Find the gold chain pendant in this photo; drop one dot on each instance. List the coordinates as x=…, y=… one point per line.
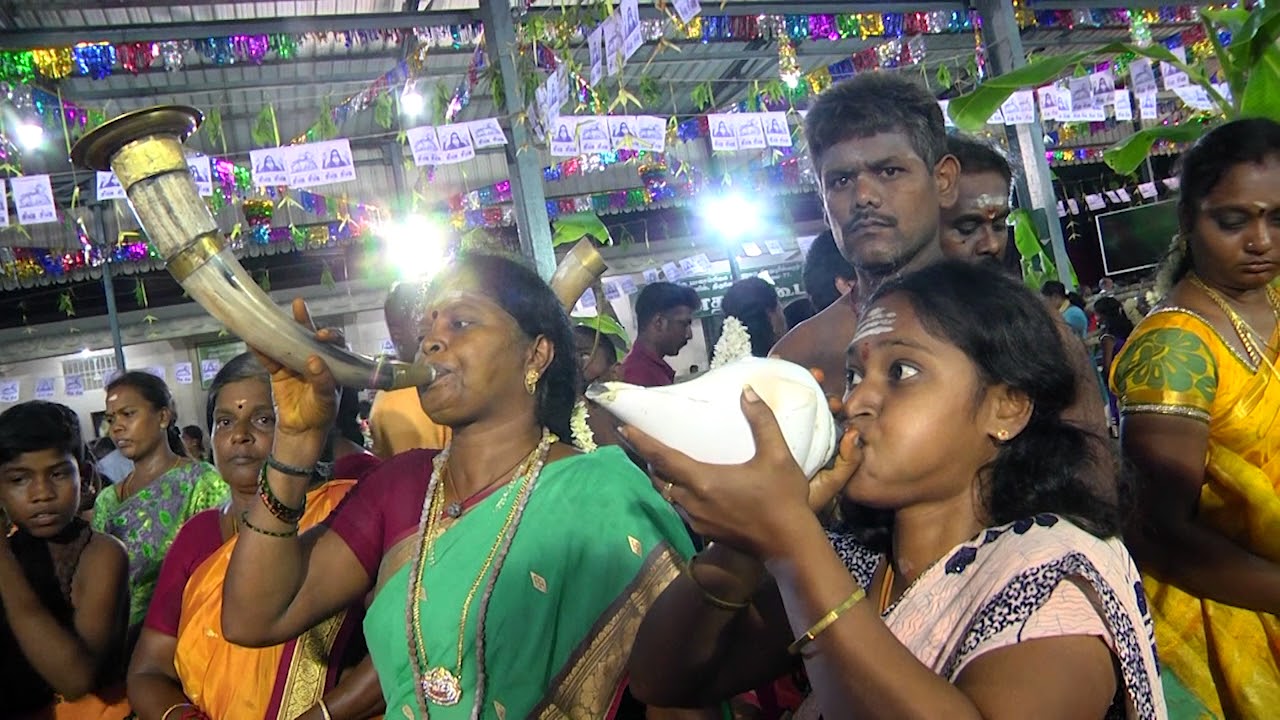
x=442, y=687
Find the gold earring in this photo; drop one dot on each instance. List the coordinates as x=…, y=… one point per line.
x=531, y=381
x=1002, y=435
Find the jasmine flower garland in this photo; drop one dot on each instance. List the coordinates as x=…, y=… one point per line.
x=583, y=438
x=734, y=343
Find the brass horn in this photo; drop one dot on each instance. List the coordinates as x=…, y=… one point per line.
x=144, y=148
x=576, y=272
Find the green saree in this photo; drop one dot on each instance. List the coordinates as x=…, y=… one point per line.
x=594, y=549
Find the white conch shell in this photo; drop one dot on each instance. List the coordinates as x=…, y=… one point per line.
x=702, y=417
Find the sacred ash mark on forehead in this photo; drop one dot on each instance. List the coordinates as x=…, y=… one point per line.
x=991, y=204
x=877, y=321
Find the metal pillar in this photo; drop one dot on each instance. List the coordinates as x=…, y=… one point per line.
x=1035, y=186
x=108, y=286
x=523, y=160
x=393, y=153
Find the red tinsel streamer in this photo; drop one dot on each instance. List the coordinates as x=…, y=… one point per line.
x=744, y=26
x=916, y=23
x=135, y=57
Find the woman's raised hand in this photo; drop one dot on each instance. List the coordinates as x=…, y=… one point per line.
x=305, y=402
x=749, y=506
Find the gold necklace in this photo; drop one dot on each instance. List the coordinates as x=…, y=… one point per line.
x=439, y=685
x=1248, y=336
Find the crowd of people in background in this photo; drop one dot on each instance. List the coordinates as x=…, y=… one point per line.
x=969, y=551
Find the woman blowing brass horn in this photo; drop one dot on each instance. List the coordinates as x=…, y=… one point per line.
x=487, y=601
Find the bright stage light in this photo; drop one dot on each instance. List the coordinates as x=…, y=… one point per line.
x=415, y=245
x=411, y=101
x=732, y=216
x=30, y=135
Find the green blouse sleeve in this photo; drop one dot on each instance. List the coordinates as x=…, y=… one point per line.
x=1166, y=371
x=209, y=490
x=102, y=507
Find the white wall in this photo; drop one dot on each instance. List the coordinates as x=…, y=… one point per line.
x=365, y=331
x=188, y=399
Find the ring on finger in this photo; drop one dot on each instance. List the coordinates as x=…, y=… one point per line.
x=666, y=491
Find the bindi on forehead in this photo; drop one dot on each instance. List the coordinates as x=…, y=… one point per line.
x=877, y=321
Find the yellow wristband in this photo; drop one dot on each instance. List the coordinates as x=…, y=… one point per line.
x=826, y=621
x=324, y=709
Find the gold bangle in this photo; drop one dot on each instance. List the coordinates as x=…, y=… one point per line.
x=173, y=707
x=826, y=621
x=324, y=709
x=708, y=596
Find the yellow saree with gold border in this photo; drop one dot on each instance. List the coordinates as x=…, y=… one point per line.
x=1176, y=363
x=231, y=682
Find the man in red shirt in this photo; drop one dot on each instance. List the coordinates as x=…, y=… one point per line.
x=664, y=318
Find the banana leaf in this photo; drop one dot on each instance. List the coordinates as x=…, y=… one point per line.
x=572, y=228
x=1261, y=96
x=1252, y=32
x=1025, y=238
x=384, y=111
x=212, y=128
x=325, y=127
x=1037, y=265
x=264, y=132
x=1128, y=155
x=972, y=110
x=605, y=325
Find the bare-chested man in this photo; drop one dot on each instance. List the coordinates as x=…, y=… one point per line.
x=976, y=228
x=879, y=147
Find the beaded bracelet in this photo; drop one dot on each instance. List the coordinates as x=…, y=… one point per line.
x=708, y=595
x=244, y=520
x=282, y=512
x=826, y=621
x=294, y=470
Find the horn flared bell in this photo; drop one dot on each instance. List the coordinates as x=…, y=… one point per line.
x=144, y=148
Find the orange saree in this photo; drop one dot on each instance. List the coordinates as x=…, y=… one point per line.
x=229, y=681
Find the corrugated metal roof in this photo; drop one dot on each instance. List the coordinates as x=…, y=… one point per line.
x=327, y=66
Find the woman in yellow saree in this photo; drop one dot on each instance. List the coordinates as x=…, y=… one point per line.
x=183, y=667
x=1200, y=400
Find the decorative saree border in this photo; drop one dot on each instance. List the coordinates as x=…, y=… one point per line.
x=308, y=667
x=395, y=558
x=1187, y=411
x=1178, y=309
x=588, y=684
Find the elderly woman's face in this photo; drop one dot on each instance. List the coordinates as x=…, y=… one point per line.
x=478, y=349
